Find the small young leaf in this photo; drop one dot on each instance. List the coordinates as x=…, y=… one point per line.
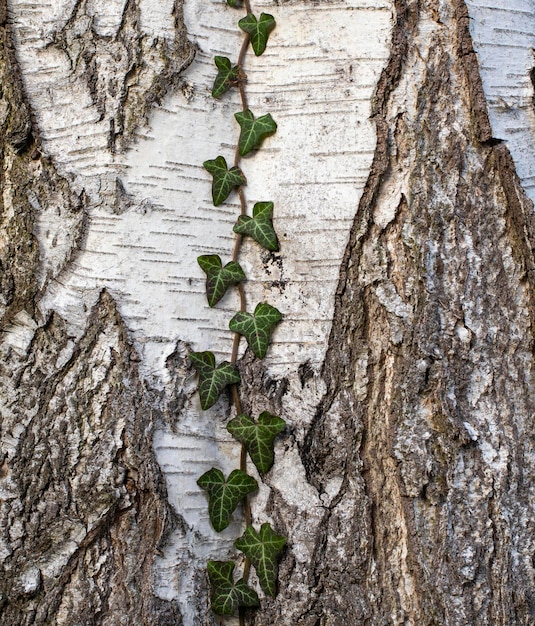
x=258, y=30
x=227, y=76
x=253, y=131
x=260, y=226
x=262, y=549
x=224, y=495
x=224, y=179
x=219, y=278
x=227, y=596
x=257, y=438
x=256, y=328
x=212, y=379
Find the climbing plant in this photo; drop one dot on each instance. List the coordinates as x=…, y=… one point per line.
x=261, y=548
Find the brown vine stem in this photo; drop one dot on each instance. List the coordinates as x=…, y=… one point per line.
x=241, y=61
x=241, y=292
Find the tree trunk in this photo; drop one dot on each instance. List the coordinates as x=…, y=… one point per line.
x=402, y=175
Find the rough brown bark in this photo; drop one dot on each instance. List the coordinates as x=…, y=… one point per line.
x=83, y=507
x=429, y=409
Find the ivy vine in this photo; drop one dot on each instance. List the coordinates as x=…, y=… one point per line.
x=262, y=548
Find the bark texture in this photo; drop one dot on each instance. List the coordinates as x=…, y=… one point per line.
x=126, y=73
x=31, y=191
x=83, y=506
x=428, y=415
x=419, y=452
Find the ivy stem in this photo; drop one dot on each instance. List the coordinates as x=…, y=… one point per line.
x=237, y=336
x=241, y=292
x=237, y=246
x=241, y=61
x=243, y=205
x=236, y=254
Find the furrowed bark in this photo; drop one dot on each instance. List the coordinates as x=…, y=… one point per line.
x=428, y=412
x=83, y=509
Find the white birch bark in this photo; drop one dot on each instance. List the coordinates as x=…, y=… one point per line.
x=404, y=410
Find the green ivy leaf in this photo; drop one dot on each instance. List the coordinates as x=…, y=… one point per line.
x=253, y=131
x=212, y=379
x=227, y=596
x=224, y=179
x=227, y=76
x=262, y=549
x=260, y=226
x=219, y=278
x=235, y=4
x=256, y=328
x=258, y=438
x=224, y=495
x=258, y=30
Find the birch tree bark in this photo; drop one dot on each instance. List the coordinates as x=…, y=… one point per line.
x=402, y=174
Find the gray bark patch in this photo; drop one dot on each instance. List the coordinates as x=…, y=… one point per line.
x=84, y=506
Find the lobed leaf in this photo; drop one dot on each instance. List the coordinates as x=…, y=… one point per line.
x=257, y=328
x=262, y=549
x=235, y=4
x=260, y=226
x=258, y=30
x=219, y=278
x=212, y=379
x=227, y=76
x=258, y=438
x=253, y=131
x=227, y=596
x=225, y=495
x=224, y=179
